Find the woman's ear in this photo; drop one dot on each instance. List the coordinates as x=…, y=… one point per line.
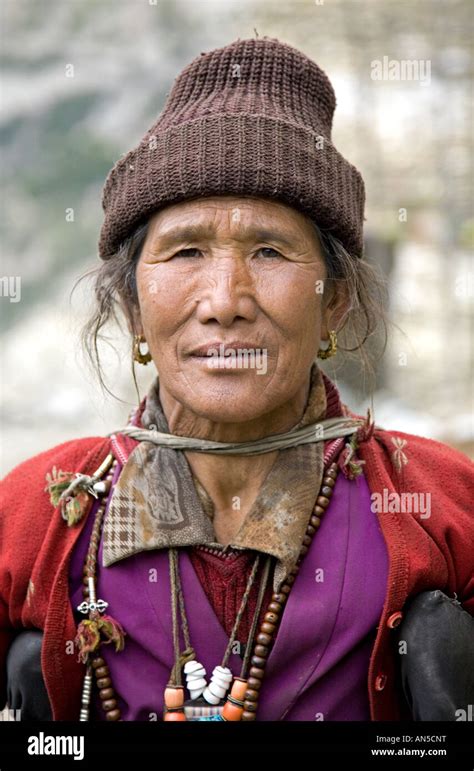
x=336, y=306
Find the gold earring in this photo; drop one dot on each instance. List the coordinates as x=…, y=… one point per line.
x=331, y=350
x=141, y=358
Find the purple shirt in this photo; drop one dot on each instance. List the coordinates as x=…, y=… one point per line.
x=318, y=666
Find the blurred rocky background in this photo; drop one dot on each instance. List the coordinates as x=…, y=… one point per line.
x=81, y=81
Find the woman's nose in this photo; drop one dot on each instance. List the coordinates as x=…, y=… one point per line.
x=226, y=294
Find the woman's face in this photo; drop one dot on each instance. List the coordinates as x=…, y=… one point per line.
x=239, y=271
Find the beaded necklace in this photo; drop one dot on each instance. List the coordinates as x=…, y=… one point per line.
x=206, y=700
x=242, y=701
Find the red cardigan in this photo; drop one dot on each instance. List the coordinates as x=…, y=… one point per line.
x=424, y=553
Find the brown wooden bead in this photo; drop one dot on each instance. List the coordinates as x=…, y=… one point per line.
x=102, y=672
x=329, y=482
x=304, y=550
x=250, y=706
x=257, y=672
x=319, y=511
x=285, y=589
x=307, y=540
x=261, y=650
x=99, y=662
x=290, y=580
x=106, y=693
x=280, y=597
x=263, y=638
x=109, y=704
x=311, y=530
x=322, y=501
x=113, y=715
x=254, y=683
x=331, y=472
x=246, y=715
x=275, y=607
x=268, y=628
x=104, y=682
x=315, y=521
x=326, y=490
x=272, y=618
x=251, y=695
x=258, y=661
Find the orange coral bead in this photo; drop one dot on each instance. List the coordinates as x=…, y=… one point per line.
x=232, y=711
x=174, y=696
x=174, y=716
x=239, y=686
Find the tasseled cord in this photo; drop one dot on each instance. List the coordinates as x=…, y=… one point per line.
x=71, y=493
x=350, y=465
x=95, y=631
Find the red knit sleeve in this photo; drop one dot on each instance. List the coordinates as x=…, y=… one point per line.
x=421, y=465
x=26, y=515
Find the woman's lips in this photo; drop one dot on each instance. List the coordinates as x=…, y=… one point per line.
x=222, y=349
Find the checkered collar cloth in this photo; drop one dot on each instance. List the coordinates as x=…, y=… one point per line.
x=158, y=503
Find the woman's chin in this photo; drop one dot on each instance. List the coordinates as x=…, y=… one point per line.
x=226, y=400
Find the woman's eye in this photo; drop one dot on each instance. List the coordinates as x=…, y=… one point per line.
x=268, y=252
x=191, y=252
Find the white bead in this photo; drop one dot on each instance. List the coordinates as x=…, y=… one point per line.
x=195, y=678
x=99, y=487
x=197, y=688
x=191, y=667
x=219, y=685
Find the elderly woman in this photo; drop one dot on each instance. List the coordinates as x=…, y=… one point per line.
x=242, y=550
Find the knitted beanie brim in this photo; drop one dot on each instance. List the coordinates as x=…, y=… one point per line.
x=151, y=175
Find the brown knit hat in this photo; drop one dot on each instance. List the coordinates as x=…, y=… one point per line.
x=252, y=118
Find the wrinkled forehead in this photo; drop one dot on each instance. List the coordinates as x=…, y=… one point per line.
x=233, y=216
